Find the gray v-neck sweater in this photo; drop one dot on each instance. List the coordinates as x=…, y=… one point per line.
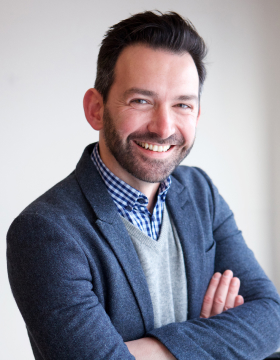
x=163, y=265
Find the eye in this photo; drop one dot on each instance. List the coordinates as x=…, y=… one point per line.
x=183, y=106
x=139, y=101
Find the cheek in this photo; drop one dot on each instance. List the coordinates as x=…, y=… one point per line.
x=188, y=132
x=126, y=128
x=132, y=122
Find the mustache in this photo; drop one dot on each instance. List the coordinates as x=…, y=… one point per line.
x=174, y=139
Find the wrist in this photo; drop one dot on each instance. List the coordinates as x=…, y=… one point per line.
x=149, y=348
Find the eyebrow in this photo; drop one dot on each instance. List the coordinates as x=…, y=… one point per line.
x=144, y=92
x=187, y=97
x=140, y=92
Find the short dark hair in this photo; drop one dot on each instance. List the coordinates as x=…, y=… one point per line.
x=167, y=31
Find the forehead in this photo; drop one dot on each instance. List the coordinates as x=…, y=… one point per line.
x=144, y=67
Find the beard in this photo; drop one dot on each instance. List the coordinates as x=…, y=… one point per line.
x=140, y=166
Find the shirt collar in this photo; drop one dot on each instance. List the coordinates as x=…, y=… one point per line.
x=120, y=191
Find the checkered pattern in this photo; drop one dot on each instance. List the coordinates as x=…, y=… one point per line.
x=131, y=203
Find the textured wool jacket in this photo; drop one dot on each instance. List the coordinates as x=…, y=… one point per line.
x=82, y=292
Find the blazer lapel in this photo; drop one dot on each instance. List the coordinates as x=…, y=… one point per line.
x=117, y=236
x=113, y=229
x=188, y=226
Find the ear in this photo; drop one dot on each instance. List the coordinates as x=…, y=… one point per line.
x=93, y=107
x=198, y=115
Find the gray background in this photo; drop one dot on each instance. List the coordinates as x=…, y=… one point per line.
x=48, y=56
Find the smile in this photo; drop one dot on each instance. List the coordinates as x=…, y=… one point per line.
x=157, y=148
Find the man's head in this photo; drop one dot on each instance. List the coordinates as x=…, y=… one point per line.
x=147, y=105
x=159, y=31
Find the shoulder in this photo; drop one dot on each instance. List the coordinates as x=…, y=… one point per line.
x=203, y=194
x=189, y=173
x=50, y=212
x=61, y=208
x=195, y=179
x=62, y=198
x=66, y=198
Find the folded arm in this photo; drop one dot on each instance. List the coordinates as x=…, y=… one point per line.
x=221, y=295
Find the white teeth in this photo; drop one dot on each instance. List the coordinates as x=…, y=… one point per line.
x=156, y=148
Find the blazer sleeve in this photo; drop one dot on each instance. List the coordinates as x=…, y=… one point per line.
x=51, y=282
x=250, y=331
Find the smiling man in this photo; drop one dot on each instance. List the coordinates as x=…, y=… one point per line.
x=132, y=256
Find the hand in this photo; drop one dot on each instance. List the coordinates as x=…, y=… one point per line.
x=221, y=295
x=149, y=348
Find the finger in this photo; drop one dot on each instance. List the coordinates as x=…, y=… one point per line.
x=209, y=296
x=221, y=293
x=232, y=293
x=239, y=300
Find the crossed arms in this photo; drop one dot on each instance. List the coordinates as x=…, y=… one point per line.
x=221, y=295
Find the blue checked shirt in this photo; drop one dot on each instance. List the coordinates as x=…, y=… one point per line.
x=131, y=203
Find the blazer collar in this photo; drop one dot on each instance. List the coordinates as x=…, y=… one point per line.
x=94, y=188
x=188, y=225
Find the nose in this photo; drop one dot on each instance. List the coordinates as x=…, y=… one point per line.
x=162, y=122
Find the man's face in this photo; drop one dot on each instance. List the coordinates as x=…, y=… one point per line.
x=150, y=117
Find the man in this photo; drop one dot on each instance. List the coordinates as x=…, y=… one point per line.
x=131, y=255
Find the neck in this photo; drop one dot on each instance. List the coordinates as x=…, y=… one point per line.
x=152, y=198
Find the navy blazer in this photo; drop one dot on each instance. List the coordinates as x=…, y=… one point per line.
x=82, y=292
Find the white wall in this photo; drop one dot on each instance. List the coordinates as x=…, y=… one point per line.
x=273, y=135
x=48, y=57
